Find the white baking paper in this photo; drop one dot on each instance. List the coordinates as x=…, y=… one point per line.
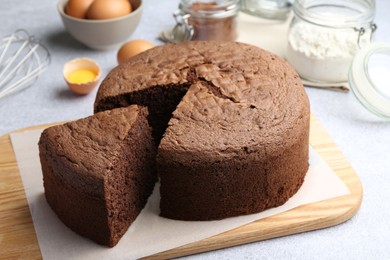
x=150, y=233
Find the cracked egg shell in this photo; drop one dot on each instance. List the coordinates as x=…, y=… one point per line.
x=81, y=75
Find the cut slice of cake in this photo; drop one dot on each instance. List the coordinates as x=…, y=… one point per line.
x=99, y=171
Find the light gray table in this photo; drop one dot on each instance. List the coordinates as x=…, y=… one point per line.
x=363, y=138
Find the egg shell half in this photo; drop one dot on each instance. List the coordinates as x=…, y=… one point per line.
x=79, y=64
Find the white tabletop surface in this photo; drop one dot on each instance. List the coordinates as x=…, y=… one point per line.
x=363, y=138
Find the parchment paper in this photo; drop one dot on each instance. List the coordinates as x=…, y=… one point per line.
x=149, y=234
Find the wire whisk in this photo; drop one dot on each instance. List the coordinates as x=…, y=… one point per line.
x=22, y=60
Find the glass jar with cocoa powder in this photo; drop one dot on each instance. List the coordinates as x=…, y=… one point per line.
x=207, y=20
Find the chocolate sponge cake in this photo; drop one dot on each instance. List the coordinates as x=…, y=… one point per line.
x=231, y=121
x=99, y=171
x=220, y=158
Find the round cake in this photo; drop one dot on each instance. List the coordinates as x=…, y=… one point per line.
x=231, y=121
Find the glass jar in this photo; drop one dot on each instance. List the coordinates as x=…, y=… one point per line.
x=270, y=9
x=206, y=20
x=369, y=78
x=324, y=36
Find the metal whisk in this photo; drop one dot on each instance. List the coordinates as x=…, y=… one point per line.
x=22, y=60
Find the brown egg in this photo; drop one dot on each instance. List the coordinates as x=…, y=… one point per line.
x=132, y=48
x=78, y=8
x=107, y=9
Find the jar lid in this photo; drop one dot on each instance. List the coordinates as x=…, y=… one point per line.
x=369, y=78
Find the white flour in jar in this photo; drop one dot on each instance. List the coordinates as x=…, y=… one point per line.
x=322, y=54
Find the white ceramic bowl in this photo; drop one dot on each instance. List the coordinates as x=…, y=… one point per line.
x=102, y=34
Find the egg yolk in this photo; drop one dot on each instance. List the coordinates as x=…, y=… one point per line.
x=81, y=76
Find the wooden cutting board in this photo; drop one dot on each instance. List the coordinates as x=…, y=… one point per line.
x=18, y=239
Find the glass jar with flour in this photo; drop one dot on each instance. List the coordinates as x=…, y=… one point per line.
x=324, y=36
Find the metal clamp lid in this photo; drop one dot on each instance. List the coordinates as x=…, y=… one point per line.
x=183, y=31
